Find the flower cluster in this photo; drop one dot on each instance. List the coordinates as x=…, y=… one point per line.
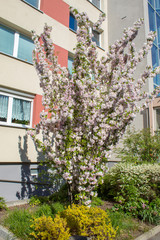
x=87, y=112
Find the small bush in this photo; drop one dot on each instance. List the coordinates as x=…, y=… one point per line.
x=135, y=188
x=140, y=147
x=2, y=203
x=96, y=201
x=45, y=228
x=61, y=195
x=18, y=222
x=92, y=222
x=34, y=201
x=57, y=207
x=44, y=209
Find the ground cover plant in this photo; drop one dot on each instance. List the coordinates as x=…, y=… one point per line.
x=22, y=221
x=87, y=112
x=127, y=227
x=135, y=190
x=53, y=221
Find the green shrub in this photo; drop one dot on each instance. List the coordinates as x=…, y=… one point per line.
x=18, y=222
x=140, y=147
x=57, y=207
x=61, y=195
x=96, y=201
x=44, y=209
x=91, y=222
x=34, y=201
x=135, y=188
x=45, y=228
x=2, y=203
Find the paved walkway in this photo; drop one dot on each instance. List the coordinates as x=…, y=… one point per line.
x=156, y=237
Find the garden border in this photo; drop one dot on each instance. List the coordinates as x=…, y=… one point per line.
x=7, y=235
x=151, y=233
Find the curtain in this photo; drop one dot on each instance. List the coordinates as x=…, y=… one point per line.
x=3, y=107
x=21, y=110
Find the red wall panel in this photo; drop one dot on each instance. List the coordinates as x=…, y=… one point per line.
x=37, y=108
x=37, y=104
x=62, y=55
x=56, y=9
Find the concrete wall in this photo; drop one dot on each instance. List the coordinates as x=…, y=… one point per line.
x=122, y=14
x=17, y=183
x=18, y=152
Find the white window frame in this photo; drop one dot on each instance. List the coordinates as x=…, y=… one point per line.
x=16, y=44
x=39, y=4
x=10, y=96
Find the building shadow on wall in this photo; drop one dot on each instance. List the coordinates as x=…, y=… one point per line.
x=35, y=178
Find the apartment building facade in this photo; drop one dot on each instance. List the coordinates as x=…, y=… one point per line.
x=122, y=14
x=20, y=94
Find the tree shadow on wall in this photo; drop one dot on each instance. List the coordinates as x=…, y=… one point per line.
x=32, y=184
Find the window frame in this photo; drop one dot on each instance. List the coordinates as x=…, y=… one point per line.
x=98, y=7
x=75, y=23
x=11, y=96
x=156, y=43
x=39, y=4
x=155, y=118
x=17, y=36
x=71, y=59
x=99, y=34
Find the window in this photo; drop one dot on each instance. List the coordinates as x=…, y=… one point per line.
x=34, y=3
x=154, y=25
x=72, y=23
x=16, y=44
x=97, y=3
x=96, y=37
x=157, y=119
x=15, y=110
x=34, y=173
x=70, y=64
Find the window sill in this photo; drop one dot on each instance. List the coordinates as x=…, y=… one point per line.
x=72, y=30
x=100, y=48
x=16, y=58
x=32, y=6
x=95, y=6
x=21, y=126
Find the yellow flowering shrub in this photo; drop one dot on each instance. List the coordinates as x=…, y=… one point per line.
x=92, y=222
x=45, y=228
